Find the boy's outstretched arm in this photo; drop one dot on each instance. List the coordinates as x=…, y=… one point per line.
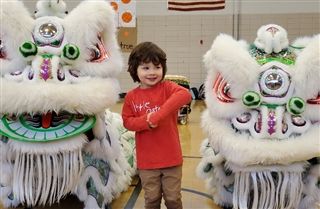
x=179, y=97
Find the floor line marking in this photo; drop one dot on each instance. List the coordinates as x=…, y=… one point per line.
x=197, y=157
x=134, y=196
x=197, y=192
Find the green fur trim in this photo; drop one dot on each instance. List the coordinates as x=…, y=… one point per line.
x=286, y=56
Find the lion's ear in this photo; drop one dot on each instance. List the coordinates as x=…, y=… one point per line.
x=231, y=70
x=51, y=8
x=231, y=58
x=229, y=61
x=307, y=75
x=91, y=26
x=16, y=25
x=308, y=66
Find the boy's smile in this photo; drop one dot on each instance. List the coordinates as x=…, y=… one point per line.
x=149, y=74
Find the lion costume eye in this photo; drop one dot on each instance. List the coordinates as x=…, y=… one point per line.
x=99, y=52
x=2, y=53
x=221, y=89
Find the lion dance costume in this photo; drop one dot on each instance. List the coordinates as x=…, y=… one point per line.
x=58, y=75
x=262, y=121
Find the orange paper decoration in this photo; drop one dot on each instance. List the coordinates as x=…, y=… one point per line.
x=125, y=12
x=126, y=1
x=114, y=5
x=126, y=17
x=126, y=33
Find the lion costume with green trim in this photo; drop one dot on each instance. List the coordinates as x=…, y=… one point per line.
x=58, y=76
x=262, y=121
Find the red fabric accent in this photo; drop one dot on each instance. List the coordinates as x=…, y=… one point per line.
x=158, y=147
x=46, y=120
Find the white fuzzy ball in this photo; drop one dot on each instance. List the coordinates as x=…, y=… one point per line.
x=51, y=8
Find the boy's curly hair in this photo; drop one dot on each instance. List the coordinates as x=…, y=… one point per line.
x=146, y=52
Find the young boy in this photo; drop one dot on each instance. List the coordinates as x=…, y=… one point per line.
x=151, y=110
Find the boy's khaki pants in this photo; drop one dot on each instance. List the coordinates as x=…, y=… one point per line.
x=158, y=182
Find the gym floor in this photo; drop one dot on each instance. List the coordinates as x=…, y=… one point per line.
x=194, y=194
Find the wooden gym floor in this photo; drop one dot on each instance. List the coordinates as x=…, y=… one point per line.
x=194, y=194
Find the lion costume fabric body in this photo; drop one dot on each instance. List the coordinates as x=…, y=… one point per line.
x=58, y=75
x=262, y=121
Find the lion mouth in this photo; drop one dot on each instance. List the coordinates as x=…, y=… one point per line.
x=48, y=120
x=45, y=127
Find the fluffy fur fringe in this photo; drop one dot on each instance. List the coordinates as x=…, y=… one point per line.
x=89, y=97
x=311, y=190
x=113, y=153
x=41, y=175
x=260, y=189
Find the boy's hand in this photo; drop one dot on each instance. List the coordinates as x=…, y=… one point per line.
x=148, y=121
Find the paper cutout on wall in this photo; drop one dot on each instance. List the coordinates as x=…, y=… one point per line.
x=195, y=5
x=127, y=38
x=125, y=12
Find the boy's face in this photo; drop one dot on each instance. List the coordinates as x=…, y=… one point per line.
x=149, y=74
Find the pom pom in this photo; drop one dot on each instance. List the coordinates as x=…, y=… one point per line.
x=51, y=8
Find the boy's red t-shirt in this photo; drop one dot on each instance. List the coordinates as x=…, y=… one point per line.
x=158, y=147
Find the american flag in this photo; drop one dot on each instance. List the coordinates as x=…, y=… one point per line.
x=195, y=5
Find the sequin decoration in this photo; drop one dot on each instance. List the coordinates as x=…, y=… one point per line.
x=30, y=74
x=244, y=117
x=284, y=126
x=286, y=56
x=271, y=122
x=45, y=72
x=297, y=120
x=258, y=124
x=60, y=74
x=16, y=73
